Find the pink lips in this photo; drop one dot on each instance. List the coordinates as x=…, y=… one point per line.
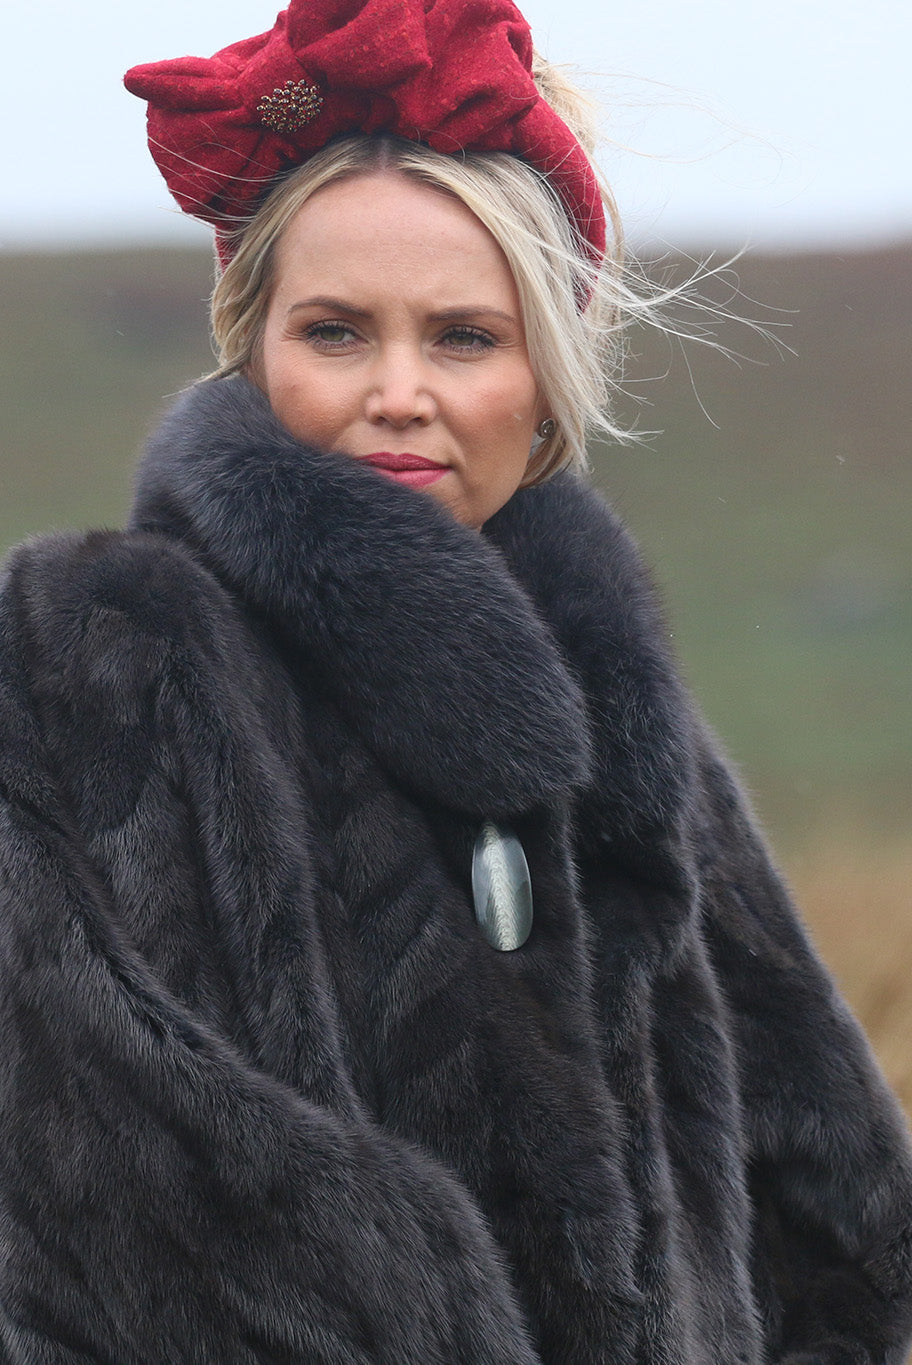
x=413, y=470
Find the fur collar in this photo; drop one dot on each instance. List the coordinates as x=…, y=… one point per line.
x=494, y=673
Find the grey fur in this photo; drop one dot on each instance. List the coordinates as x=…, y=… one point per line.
x=267, y=1096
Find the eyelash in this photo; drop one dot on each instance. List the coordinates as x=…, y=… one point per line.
x=316, y=332
x=483, y=340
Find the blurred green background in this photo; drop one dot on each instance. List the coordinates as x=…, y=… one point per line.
x=775, y=507
x=773, y=504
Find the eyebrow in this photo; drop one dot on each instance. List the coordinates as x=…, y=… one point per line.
x=478, y=310
x=324, y=301
x=472, y=310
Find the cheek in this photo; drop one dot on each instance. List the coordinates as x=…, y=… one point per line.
x=308, y=402
x=508, y=396
x=509, y=416
x=503, y=426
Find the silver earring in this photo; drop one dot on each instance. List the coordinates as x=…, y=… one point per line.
x=547, y=428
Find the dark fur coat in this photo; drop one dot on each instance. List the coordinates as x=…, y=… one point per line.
x=267, y=1094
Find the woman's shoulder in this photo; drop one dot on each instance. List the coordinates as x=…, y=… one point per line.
x=70, y=590
x=96, y=619
x=118, y=650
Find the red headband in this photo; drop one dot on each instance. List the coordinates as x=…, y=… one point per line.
x=455, y=74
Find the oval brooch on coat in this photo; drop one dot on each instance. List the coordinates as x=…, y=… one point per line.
x=501, y=888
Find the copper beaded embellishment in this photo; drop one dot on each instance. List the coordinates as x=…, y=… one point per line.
x=290, y=106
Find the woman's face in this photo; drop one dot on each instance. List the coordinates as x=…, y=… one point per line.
x=394, y=335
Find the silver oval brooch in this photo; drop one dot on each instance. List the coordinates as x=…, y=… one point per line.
x=501, y=888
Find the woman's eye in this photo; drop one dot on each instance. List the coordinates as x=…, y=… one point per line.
x=468, y=339
x=330, y=335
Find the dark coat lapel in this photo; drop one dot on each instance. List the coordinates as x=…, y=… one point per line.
x=473, y=672
x=478, y=711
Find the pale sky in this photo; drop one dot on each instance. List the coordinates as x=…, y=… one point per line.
x=753, y=123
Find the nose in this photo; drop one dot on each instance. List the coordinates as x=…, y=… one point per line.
x=400, y=390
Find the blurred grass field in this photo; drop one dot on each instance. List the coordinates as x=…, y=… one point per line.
x=857, y=900
x=773, y=504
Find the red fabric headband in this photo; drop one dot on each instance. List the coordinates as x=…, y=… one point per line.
x=455, y=74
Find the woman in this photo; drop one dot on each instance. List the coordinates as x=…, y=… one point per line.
x=391, y=971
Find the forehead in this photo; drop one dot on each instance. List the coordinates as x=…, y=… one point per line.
x=386, y=231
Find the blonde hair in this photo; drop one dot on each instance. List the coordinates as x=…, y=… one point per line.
x=574, y=345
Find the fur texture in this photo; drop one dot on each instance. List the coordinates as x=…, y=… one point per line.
x=267, y=1095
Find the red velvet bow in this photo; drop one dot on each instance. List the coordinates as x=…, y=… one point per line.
x=455, y=74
